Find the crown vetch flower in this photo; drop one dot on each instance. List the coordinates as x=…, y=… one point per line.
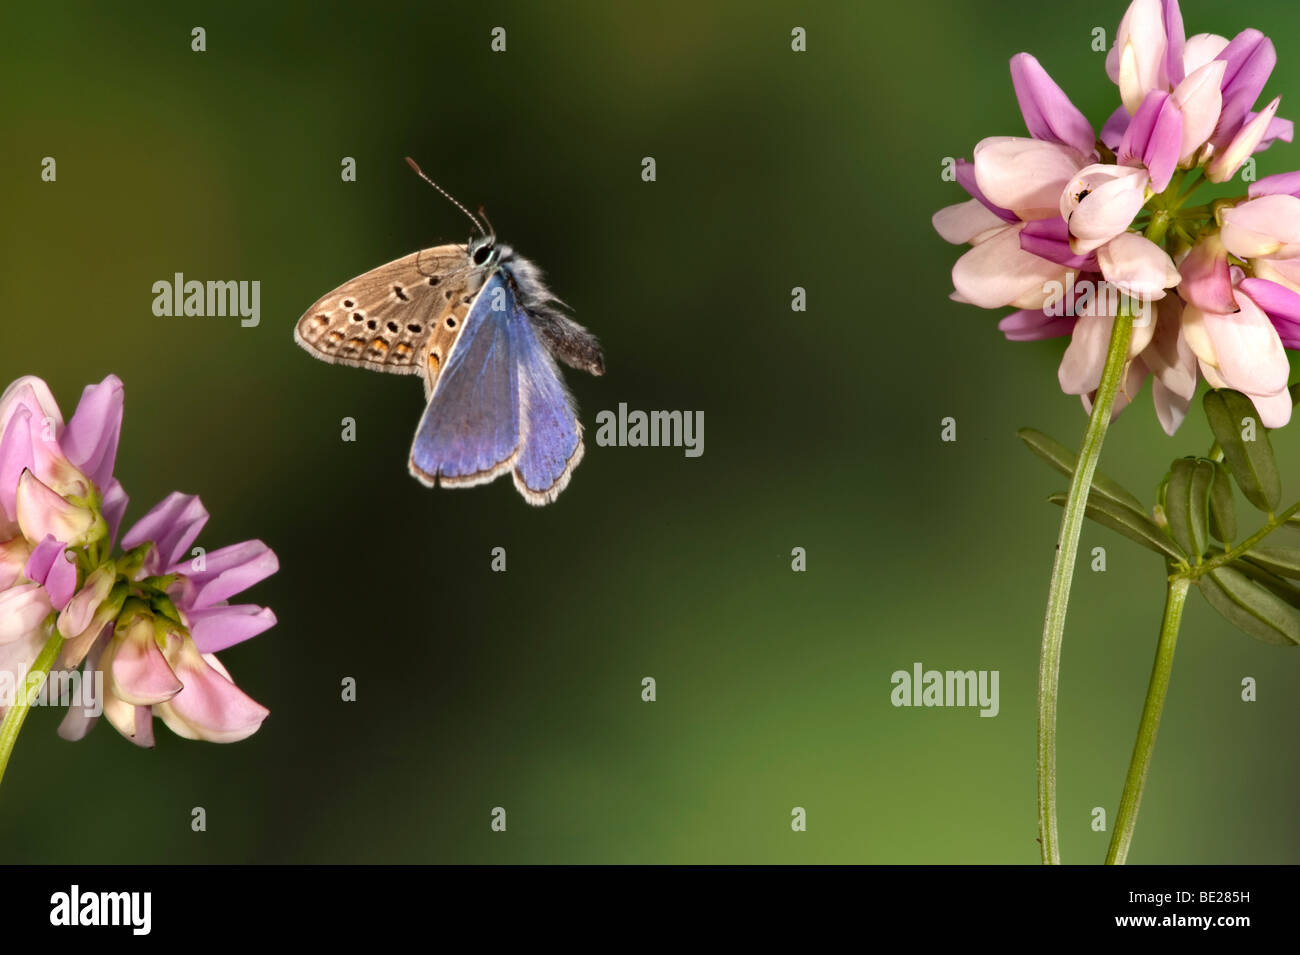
x=1216, y=287
x=57, y=499
x=158, y=657
x=149, y=620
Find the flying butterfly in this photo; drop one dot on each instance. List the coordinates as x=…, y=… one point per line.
x=479, y=324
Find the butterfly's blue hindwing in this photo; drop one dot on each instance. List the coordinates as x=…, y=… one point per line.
x=499, y=403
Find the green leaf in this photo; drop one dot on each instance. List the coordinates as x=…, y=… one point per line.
x=1282, y=588
x=1279, y=551
x=1223, y=510
x=1065, y=461
x=1128, y=522
x=1251, y=607
x=1251, y=462
x=1187, y=503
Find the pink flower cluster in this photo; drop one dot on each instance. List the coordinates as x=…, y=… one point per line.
x=1215, y=287
x=148, y=620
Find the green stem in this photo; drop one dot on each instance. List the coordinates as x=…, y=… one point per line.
x=1188, y=186
x=1058, y=595
x=13, y=721
x=1158, y=226
x=1272, y=524
x=1193, y=213
x=1145, y=744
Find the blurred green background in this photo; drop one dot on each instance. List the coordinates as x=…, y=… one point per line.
x=522, y=689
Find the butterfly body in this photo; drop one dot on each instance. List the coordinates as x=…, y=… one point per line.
x=478, y=323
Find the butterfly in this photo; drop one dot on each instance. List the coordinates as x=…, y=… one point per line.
x=479, y=324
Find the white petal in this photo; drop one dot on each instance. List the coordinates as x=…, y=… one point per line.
x=997, y=272
x=965, y=222
x=1025, y=175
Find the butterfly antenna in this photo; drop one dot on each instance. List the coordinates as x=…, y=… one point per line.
x=450, y=198
x=491, y=228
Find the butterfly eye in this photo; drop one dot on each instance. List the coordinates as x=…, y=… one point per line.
x=481, y=254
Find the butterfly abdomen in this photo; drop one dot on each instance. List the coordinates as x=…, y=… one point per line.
x=563, y=337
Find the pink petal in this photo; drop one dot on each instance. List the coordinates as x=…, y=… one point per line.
x=1225, y=165
x=1134, y=375
x=1137, y=266
x=35, y=395
x=22, y=609
x=217, y=628
x=90, y=440
x=113, y=507
x=1100, y=203
x=42, y=557
x=138, y=671
x=1176, y=37
x=1028, y=325
x=13, y=560
x=1170, y=358
x=1206, y=282
x=998, y=272
x=1274, y=410
x=1279, y=128
x=1249, y=354
x=965, y=222
x=15, y=458
x=49, y=567
x=210, y=707
x=1142, y=44
x=77, y=722
x=1276, y=300
x=173, y=525
x=1112, y=133
x=45, y=425
x=1250, y=59
x=43, y=513
x=17, y=657
x=81, y=609
x=1025, y=175
x=1284, y=183
x=1201, y=49
x=1282, y=271
x=1200, y=100
x=1050, y=239
x=1049, y=114
x=143, y=727
x=122, y=715
x=1084, y=359
x=1280, y=304
x=1171, y=407
x=965, y=174
x=1266, y=227
x=1154, y=138
x=228, y=571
